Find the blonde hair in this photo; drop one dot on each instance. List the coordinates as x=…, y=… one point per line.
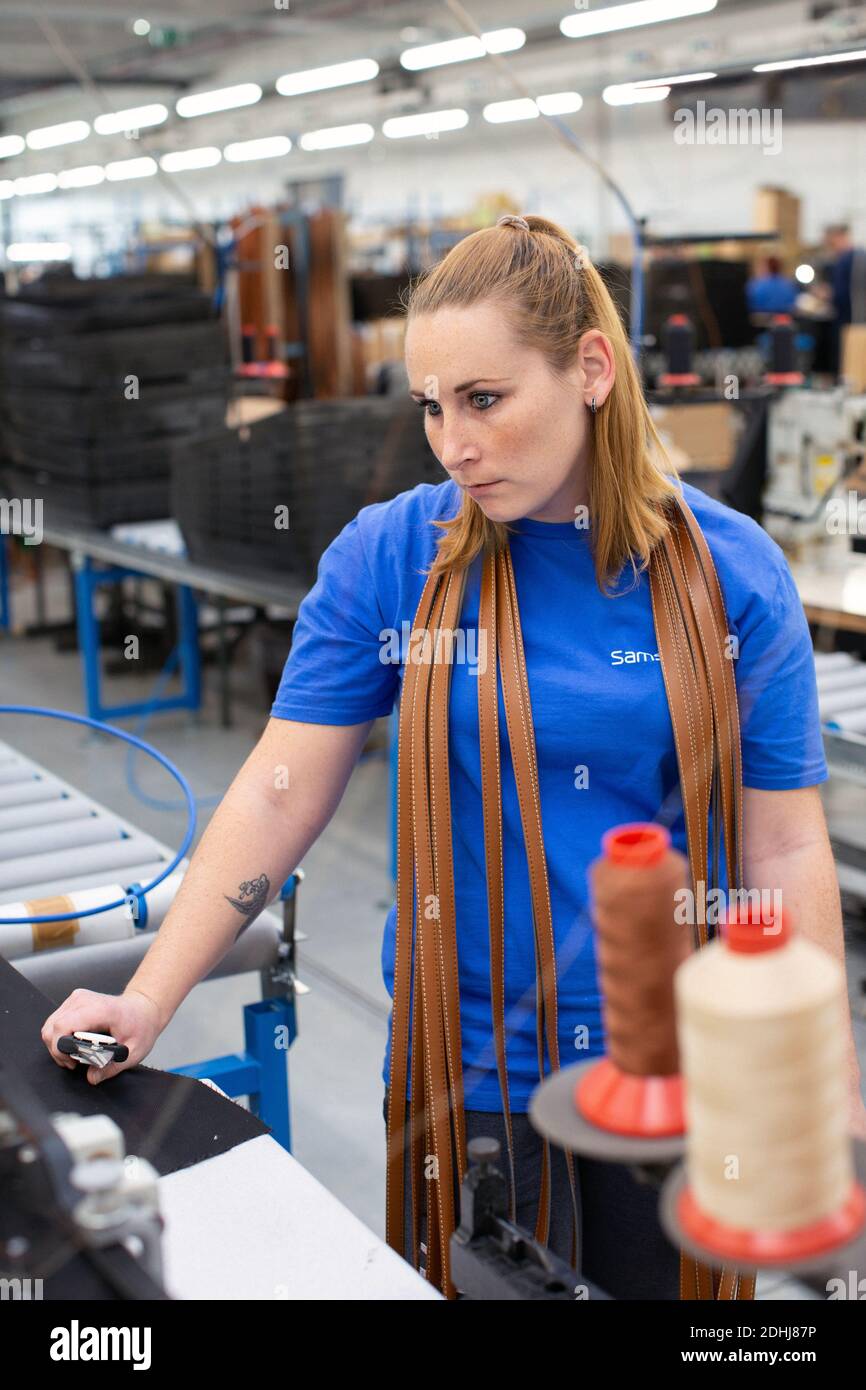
x=552, y=295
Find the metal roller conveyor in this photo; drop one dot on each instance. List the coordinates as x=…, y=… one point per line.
x=19, y=939
x=60, y=850
x=17, y=771
x=833, y=661
x=106, y=860
x=46, y=871
x=134, y=873
x=851, y=721
x=63, y=808
x=841, y=681
x=46, y=788
x=45, y=839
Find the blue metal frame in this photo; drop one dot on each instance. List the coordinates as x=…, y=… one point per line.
x=261, y=1072
x=88, y=578
x=5, y=615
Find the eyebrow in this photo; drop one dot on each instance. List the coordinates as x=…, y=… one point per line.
x=465, y=385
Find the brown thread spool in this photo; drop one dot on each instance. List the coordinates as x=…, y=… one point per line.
x=637, y=1089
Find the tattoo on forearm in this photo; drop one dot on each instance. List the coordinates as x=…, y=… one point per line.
x=254, y=895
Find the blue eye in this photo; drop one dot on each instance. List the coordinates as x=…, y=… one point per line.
x=425, y=406
x=488, y=395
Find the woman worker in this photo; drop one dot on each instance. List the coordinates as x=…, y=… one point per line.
x=518, y=360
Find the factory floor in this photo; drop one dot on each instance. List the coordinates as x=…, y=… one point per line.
x=335, y=1064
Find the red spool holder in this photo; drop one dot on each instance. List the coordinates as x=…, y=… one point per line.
x=774, y=1248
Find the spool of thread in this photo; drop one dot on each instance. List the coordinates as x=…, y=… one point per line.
x=248, y=343
x=783, y=352
x=679, y=344
x=768, y=1155
x=636, y=1089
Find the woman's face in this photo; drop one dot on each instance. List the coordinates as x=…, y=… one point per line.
x=503, y=426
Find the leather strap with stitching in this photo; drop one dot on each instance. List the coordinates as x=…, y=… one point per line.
x=691, y=628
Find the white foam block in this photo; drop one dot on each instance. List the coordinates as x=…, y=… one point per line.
x=254, y=1224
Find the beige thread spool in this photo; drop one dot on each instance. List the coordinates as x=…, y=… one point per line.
x=768, y=1154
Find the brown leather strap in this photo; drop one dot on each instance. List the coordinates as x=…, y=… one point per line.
x=691, y=628
x=521, y=737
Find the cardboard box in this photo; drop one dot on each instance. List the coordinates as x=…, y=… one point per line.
x=776, y=210
x=854, y=356
x=699, y=436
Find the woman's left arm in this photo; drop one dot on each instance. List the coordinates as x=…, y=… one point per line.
x=786, y=846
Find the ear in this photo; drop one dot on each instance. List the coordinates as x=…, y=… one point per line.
x=597, y=366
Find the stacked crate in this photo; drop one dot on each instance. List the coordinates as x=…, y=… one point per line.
x=312, y=466
x=102, y=385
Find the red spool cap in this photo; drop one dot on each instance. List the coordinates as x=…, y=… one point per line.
x=637, y=845
x=748, y=932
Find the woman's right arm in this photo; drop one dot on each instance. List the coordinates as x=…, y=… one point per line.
x=275, y=809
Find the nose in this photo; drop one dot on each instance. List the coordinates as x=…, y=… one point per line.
x=457, y=447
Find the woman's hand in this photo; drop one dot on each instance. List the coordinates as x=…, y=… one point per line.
x=132, y=1018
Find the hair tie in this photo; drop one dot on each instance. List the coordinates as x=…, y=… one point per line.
x=580, y=256
x=511, y=219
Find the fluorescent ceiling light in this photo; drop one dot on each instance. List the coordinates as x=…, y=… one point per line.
x=334, y=136
x=203, y=158
x=525, y=108
x=130, y=168
x=39, y=251
x=521, y=109
x=291, y=84
x=672, y=81
x=35, y=183
x=853, y=57
x=11, y=144
x=434, y=55
x=225, y=99
x=627, y=94
x=50, y=135
x=134, y=118
x=7, y=189
x=580, y=26
x=805, y=274
x=559, y=103
x=83, y=177
x=426, y=123
x=269, y=147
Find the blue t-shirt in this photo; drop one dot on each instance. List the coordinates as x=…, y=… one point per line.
x=603, y=733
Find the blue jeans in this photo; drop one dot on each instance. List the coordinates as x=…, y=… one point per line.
x=623, y=1248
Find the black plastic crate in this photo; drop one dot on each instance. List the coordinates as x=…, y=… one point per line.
x=324, y=460
x=61, y=304
x=100, y=462
x=103, y=361
x=193, y=406
x=93, y=503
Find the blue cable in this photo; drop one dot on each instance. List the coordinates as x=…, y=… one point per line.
x=175, y=772
x=147, y=714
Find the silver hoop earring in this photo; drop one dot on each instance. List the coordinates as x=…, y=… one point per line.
x=592, y=406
